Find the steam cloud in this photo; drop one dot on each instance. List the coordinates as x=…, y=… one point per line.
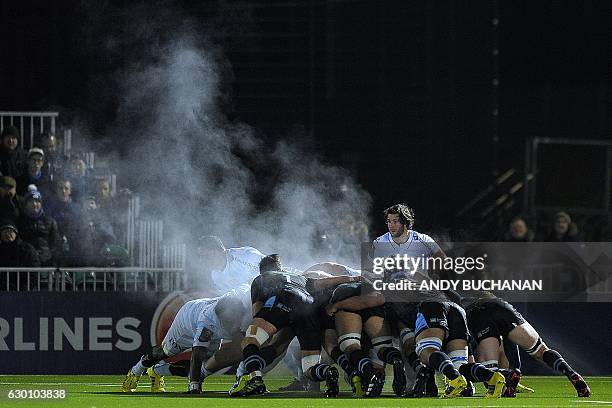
x=205, y=174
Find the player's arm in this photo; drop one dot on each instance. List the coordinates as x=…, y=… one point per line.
x=201, y=344
x=356, y=303
x=335, y=281
x=257, y=307
x=198, y=354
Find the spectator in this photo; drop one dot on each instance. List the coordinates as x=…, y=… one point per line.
x=12, y=157
x=15, y=252
x=81, y=179
x=64, y=211
x=55, y=161
x=563, y=229
x=34, y=174
x=518, y=231
x=39, y=229
x=9, y=203
x=94, y=232
x=110, y=207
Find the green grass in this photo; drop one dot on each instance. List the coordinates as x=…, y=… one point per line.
x=105, y=391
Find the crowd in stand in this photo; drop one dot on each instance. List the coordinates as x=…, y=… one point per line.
x=562, y=229
x=54, y=211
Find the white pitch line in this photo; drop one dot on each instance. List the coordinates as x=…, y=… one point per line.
x=594, y=402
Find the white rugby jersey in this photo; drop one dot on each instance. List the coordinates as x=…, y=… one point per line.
x=416, y=246
x=200, y=313
x=242, y=266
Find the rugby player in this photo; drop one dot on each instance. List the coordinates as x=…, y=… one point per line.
x=283, y=299
x=491, y=319
x=354, y=312
x=403, y=240
x=440, y=327
x=227, y=267
x=200, y=324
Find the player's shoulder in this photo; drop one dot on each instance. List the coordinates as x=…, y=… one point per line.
x=245, y=251
x=419, y=236
x=383, y=238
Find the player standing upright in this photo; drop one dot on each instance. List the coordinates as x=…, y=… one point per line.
x=402, y=239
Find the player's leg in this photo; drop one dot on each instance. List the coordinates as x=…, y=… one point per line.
x=526, y=337
x=379, y=331
x=431, y=327
x=155, y=355
x=317, y=371
x=260, y=330
x=349, y=327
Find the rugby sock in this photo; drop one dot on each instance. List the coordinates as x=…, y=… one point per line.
x=441, y=362
x=139, y=368
x=476, y=372
x=240, y=371
x=557, y=363
x=342, y=360
x=512, y=354
x=390, y=355
x=268, y=353
x=162, y=369
x=205, y=373
x=253, y=361
x=319, y=371
x=363, y=363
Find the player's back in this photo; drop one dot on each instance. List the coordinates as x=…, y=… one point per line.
x=276, y=283
x=189, y=314
x=242, y=265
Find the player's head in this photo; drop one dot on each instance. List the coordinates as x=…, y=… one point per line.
x=399, y=219
x=211, y=251
x=270, y=263
x=229, y=310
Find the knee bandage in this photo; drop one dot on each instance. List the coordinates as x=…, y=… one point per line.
x=349, y=339
x=310, y=361
x=428, y=342
x=458, y=357
x=258, y=334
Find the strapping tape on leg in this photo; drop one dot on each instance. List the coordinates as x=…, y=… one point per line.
x=258, y=334
x=536, y=346
x=381, y=342
x=310, y=361
x=406, y=335
x=348, y=339
x=428, y=342
x=458, y=357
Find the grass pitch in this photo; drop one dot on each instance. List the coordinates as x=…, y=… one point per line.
x=105, y=391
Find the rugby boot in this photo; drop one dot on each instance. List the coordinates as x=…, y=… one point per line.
x=495, y=386
x=332, y=388
x=580, y=385
x=157, y=381
x=455, y=387
x=131, y=382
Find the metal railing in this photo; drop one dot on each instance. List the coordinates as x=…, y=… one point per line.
x=89, y=279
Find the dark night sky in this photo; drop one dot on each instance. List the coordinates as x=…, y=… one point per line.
x=399, y=92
